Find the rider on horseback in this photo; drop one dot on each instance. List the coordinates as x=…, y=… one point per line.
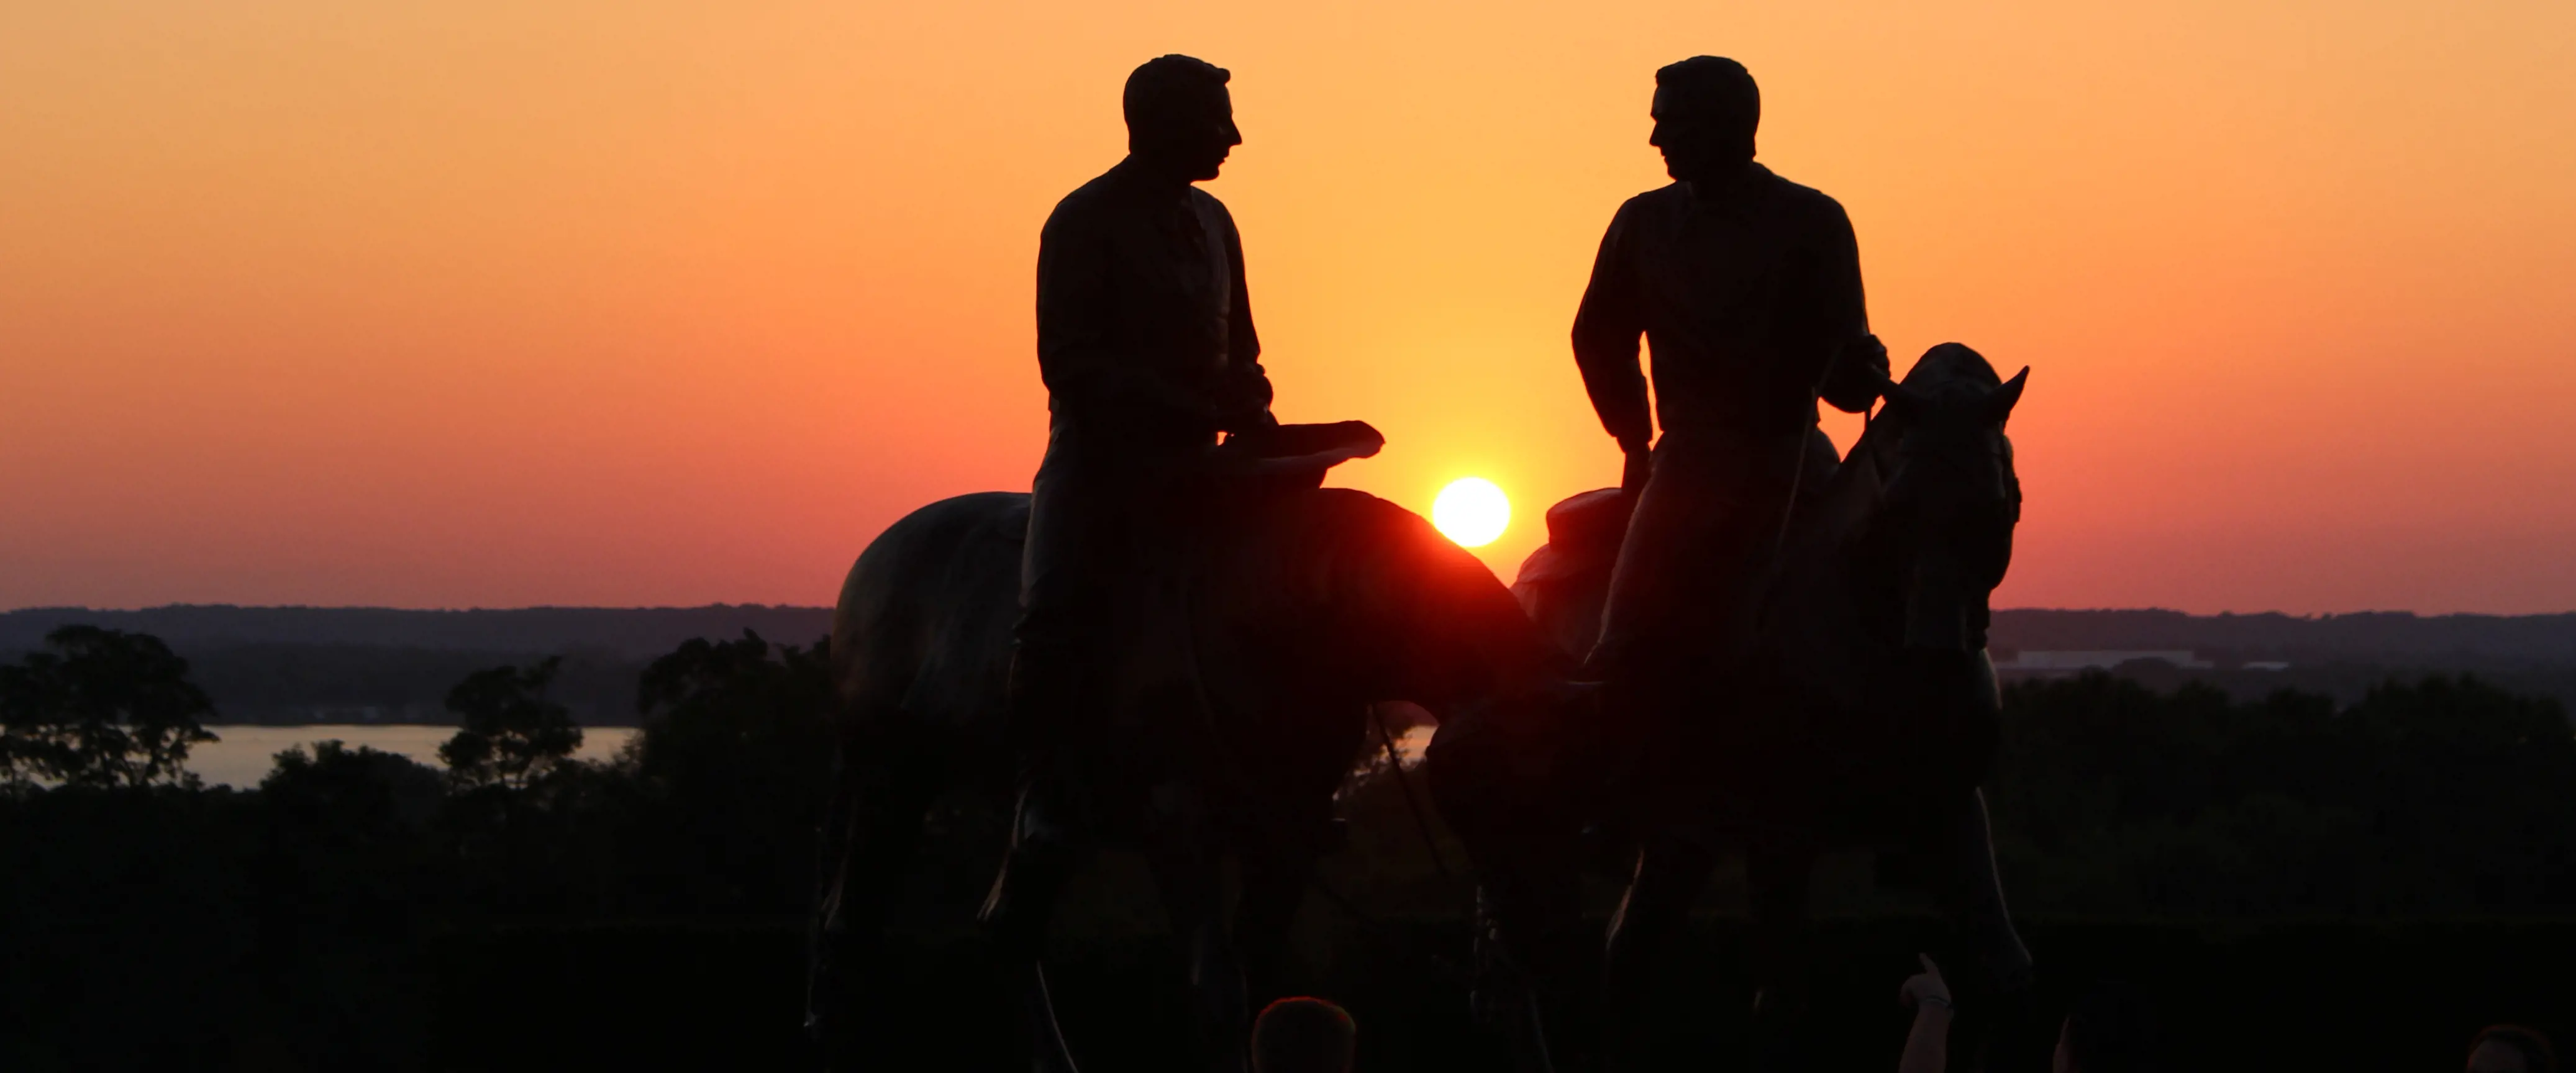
x=1748, y=288
x=1146, y=344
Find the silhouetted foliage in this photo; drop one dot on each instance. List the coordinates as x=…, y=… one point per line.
x=366, y=793
x=2446, y=795
x=360, y=910
x=343, y=877
x=100, y=707
x=512, y=735
x=734, y=767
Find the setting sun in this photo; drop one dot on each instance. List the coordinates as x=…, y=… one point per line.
x=1472, y=511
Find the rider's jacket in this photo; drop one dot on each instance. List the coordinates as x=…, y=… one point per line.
x=1144, y=325
x=1743, y=293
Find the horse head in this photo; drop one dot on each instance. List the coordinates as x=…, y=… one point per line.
x=1951, y=499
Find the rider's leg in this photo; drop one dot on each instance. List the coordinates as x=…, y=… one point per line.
x=1974, y=894
x=1642, y=617
x=1066, y=570
x=1081, y=511
x=1035, y=872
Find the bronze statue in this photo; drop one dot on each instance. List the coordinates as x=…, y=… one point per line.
x=1230, y=716
x=1748, y=288
x=1865, y=717
x=1185, y=661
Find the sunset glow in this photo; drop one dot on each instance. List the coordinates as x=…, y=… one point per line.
x=1472, y=511
x=499, y=304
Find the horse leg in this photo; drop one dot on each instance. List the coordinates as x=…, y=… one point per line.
x=1042, y=861
x=1193, y=898
x=1778, y=877
x=1668, y=879
x=1973, y=894
x=1273, y=888
x=871, y=831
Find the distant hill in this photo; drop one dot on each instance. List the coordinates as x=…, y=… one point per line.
x=630, y=632
x=297, y=665
x=373, y=664
x=645, y=632
x=2396, y=637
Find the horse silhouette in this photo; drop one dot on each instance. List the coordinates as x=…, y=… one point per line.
x=1241, y=683
x=1866, y=717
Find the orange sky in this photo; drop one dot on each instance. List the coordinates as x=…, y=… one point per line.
x=469, y=303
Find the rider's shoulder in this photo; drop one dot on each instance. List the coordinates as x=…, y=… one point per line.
x=1806, y=198
x=1090, y=202
x=1206, y=201
x=1670, y=197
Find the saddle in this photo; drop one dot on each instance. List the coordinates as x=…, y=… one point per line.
x=1168, y=667
x=1293, y=453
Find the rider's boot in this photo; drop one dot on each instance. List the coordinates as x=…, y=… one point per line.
x=1047, y=824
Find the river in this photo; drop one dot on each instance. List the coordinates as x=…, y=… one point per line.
x=243, y=755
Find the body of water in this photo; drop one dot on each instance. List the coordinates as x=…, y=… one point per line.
x=243, y=755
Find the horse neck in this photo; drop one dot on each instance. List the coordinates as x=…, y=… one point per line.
x=1456, y=634
x=1873, y=591
x=1408, y=615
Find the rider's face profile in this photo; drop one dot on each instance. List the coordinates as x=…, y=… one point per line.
x=1699, y=141
x=1193, y=139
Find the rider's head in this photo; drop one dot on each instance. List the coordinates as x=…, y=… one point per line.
x=1180, y=120
x=1303, y=1035
x=1706, y=108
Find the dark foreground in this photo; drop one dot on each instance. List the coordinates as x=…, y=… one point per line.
x=361, y=911
x=2232, y=996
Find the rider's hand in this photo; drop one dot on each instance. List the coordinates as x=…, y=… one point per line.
x=1640, y=463
x=1252, y=421
x=1867, y=357
x=1926, y=989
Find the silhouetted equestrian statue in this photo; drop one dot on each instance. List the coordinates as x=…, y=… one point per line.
x=1171, y=644
x=1794, y=652
x=1234, y=688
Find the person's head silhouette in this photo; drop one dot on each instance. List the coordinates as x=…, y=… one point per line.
x=1706, y=109
x=1303, y=1035
x=1180, y=120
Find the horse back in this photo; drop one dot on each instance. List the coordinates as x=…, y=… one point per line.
x=922, y=630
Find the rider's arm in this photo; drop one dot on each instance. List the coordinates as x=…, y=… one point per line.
x=1244, y=392
x=1077, y=355
x=1851, y=380
x=1606, y=328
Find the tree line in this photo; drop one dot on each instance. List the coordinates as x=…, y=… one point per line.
x=126, y=885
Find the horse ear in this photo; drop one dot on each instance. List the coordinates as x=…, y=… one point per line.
x=2000, y=401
